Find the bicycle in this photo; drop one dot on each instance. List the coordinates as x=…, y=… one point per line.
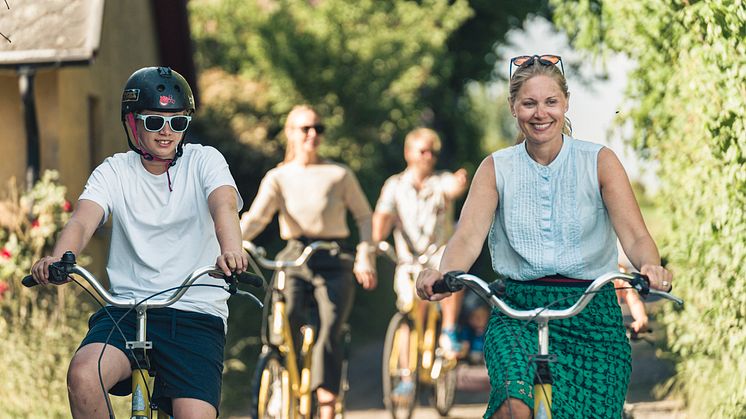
x=143, y=374
x=281, y=388
x=411, y=353
x=455, y=281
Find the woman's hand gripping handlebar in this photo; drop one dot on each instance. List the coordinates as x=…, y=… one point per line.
x=60, y=271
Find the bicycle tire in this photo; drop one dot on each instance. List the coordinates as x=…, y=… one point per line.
x=271, y=396
x=393, y=373
x=340, y=406
x=444, y=391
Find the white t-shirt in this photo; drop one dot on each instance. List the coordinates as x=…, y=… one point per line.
x=160, y=237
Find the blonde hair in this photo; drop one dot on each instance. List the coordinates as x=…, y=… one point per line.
x=523, y=74
x=289, y=150
x=419, y=133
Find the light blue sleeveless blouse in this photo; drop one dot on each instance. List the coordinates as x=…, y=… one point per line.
x=551, y=219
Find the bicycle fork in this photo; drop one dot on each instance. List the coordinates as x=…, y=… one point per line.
x=281, y=336
x=142, y=382
x=543, y=377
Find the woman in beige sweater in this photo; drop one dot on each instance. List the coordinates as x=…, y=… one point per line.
x=312, y=196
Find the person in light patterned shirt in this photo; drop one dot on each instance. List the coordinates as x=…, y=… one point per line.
x=417, y=205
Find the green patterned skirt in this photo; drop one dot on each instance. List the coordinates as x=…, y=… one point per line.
x=593, y=353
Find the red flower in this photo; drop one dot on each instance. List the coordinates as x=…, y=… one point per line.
x=3, y=289
x=5, y=253
x=35, y=223
x=67, y=206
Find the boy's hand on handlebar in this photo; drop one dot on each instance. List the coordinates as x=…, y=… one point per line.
x=660, y=278
x=40, y=269
x=425, y=281
x=232, y=261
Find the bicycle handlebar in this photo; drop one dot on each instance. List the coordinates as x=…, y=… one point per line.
x=384, y=248
x=59, y=271
x=260, y=254
x=456, y=280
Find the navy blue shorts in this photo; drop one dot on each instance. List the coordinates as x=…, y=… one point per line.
x=187, y=352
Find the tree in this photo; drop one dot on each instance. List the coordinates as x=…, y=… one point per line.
x=374, y=69
x=687, y=109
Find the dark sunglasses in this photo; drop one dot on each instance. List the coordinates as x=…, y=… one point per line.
x=319, y=128
x=528, y=60
x=155, y=123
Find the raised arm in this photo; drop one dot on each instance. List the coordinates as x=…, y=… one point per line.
x=355, y=200
x=383, y=222
x=474, y=224
x=457, y=184
x=74, y=237
x=628, y=222
x=222, y=204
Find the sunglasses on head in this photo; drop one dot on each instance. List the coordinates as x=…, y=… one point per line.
x=528, y=60
x=155, y=123
x=319, y=128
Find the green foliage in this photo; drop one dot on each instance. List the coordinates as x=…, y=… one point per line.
x=29, y=223
x=374, y=69
x=687, y=99
x=362, y=64
x=39, y=329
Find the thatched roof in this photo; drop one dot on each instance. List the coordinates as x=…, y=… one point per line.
x=49, y=32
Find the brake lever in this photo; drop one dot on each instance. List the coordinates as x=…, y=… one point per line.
x=641, y=283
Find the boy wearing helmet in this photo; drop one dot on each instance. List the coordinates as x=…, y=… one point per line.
x=174, y=208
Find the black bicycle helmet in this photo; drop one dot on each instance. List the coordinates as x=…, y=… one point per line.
x=157, y=89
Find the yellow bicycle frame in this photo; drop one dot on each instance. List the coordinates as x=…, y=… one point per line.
x=543, y=377
x=542, y=401
x=297, y=381
x=141, y=397
x=422, y=343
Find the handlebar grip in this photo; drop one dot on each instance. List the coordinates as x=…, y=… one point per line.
x=440, y=287
x=28, y=281
x=57, y=276
x=450, y=283
x=250, y=279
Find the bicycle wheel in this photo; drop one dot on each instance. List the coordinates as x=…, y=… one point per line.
x=400, y=369
x=344, y=385
x=444, y=387
x=271, y=396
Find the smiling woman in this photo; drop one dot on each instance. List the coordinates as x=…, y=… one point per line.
x=553, y=207
x=539, y=99
x=312, y=196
